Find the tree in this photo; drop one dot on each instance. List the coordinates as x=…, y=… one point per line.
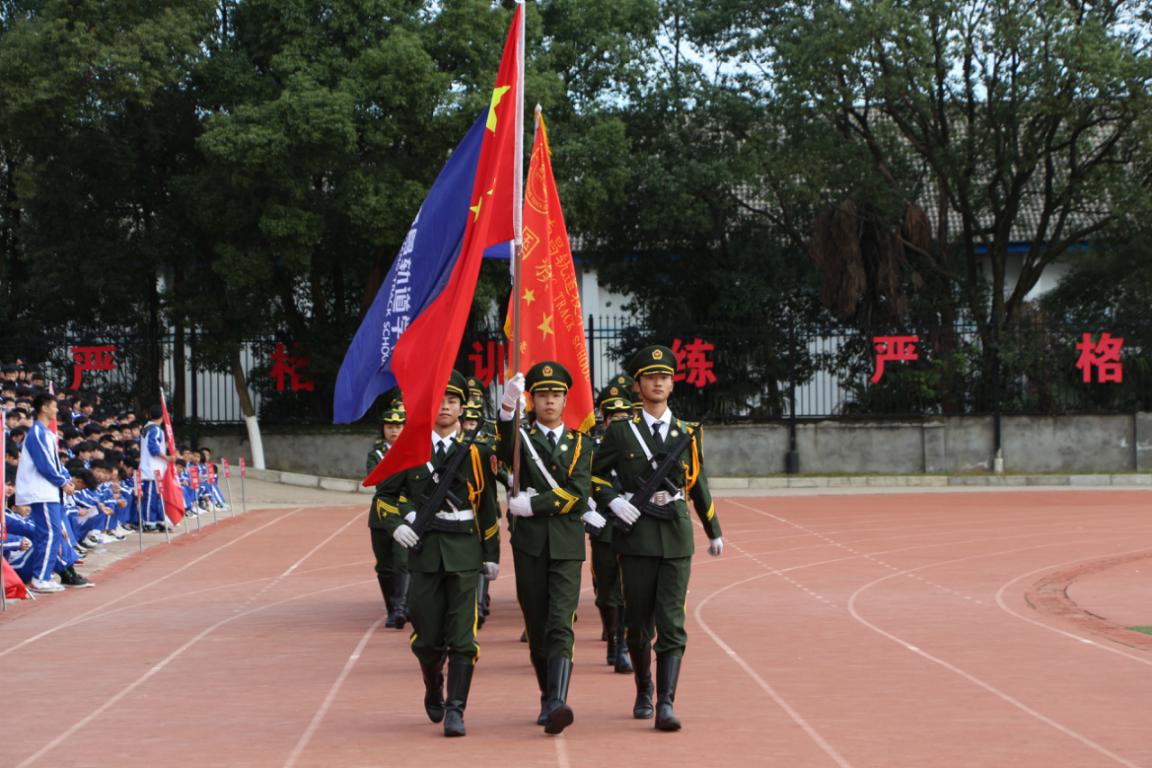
x=1008, y=122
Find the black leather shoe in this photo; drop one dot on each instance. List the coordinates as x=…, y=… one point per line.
x=559, y=713
x=459, y=682
x=434, y=690
x=667, y=675
x=400, y=599
x=642, y=672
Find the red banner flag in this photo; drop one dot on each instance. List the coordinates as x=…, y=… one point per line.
x=169, y=485
x=426, y=351
x=551, y=320
x=227, y=469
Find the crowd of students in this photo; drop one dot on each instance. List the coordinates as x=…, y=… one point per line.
x=73, y=479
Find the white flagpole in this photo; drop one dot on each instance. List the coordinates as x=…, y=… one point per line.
x=518, y=228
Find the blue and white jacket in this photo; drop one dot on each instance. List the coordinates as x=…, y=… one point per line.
x=153, y=448
x=40, y=475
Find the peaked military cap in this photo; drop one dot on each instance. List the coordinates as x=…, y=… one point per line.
x=457, y=385
x=394, y=416
x=472, y=411
x=614, y=398
x=475, y=388
x=654, y=359
x=624, y=381
x=548, y=376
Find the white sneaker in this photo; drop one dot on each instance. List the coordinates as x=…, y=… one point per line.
x=118, y=535
x=120, y=531
x=92, y=540
x=46, y=586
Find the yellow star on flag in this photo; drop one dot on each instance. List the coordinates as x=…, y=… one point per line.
x=546, y=326
x=476, y=209
x=497, y=94
x=529, y=295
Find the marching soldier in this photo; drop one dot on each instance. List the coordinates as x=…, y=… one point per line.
x=449, y=544
x=471, y=420
x=651, y=450
x=544, y=516
x=615, y=404
x=391, y=558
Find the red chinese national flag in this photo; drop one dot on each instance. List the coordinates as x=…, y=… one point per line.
x=551, y=321
x=425, y=352
x=170, y=489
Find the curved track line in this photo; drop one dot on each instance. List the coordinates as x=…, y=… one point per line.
x=1098, y=748
x=98, y=609
x=1071, y=635
x=764, y=684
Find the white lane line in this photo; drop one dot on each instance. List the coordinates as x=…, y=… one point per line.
x=1070, y=635
x=100, y=608
x=161, y=665
x=561, y=752
x=318, y=717
x=1098, y=748
x=797, y=718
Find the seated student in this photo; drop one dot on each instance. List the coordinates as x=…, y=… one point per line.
x=186, y=488
x=210, y=479
x=109, y=495
x=89, y=516
x=18, y=541
x=84, y=452
x=17, y=436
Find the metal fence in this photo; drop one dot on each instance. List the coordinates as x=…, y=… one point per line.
x=727, y=374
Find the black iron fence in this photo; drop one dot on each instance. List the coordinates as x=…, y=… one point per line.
x=727, y=374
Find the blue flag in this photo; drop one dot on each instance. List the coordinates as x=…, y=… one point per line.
x=417, y=277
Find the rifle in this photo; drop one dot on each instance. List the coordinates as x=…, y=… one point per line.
x=658, y=481
x=442, y=490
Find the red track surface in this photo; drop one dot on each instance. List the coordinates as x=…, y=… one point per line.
x=853, y=631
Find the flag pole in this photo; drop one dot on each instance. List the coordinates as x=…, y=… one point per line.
x=518, y=228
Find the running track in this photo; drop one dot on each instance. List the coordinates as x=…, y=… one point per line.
x=857, y=631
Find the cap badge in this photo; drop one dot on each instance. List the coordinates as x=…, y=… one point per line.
x=657, y=354
x=546, y=370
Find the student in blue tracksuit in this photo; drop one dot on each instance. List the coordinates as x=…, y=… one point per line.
x=154, y=456
x=18, y=543
x=41, y=481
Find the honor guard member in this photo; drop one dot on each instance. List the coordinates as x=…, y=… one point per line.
x=391, y=558
x=615, y=403
x=655, y=542
x=544, y=517
x=470, y=421
x=460, y=539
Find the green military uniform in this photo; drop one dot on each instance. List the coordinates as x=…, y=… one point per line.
x=548, y=544
x=391, y=558
x=656, y=555
x=472, y=419
x=445, y=566
x=614, y=402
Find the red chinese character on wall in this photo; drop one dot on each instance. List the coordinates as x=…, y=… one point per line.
x=487, y=361
x=102, y=358
x=284, y=364
x=1103, y=355
x=896, y=349
x=692, y=363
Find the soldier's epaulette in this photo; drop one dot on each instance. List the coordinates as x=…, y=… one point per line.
x=483, y=439
x=691, y=427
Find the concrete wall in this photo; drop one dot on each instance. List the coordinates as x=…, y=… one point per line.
x=1062, y=444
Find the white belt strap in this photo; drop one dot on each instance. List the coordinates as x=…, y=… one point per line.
x=640, y=439
x=671, y=498
x=457, y=516
x=536, y=460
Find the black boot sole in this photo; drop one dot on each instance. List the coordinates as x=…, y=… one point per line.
x=454, y=727
x=435, y=714
x=559, y=719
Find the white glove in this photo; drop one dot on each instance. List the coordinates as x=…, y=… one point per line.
x=594, y=519
x=513, y=396
x=624, y=510
x=410, y=517
x=406, y=537
x=520, y=505
x=716, y=546
x=491, y=571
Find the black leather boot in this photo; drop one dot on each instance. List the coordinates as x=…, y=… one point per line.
x=459, y=681
x=667, y=675
x=541, y=667
x=605, y=620
x=434, y=690
x=385, y=581
x=642, y=671
x=559, y=713
x=623, y=664
x=400, y=599
x=611, y=620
